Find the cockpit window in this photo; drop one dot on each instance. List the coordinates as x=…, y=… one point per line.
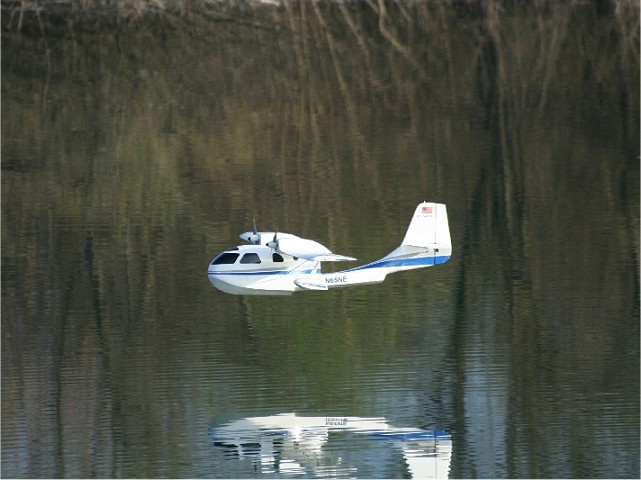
x=225, y=259
x=276, y=257
x=250, y=258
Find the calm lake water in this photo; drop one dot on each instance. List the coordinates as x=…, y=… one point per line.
x=133, y=154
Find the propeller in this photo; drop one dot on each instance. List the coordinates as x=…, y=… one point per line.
x=274, y=243
x=255, y=238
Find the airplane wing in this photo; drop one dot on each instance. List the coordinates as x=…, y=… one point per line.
x=309, y=249
x=263, y=238
x=331, y=257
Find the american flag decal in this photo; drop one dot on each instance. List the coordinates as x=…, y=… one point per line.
x=426, y=210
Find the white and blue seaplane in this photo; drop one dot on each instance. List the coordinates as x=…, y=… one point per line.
x=277, y=263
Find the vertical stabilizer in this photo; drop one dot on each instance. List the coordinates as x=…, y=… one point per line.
x=429, y=227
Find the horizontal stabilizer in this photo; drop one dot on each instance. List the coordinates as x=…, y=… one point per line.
x=406, y=251
x=308, y=285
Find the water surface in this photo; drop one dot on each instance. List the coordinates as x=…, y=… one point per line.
x=133, y=155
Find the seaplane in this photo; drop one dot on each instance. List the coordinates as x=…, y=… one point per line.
x=278, y=263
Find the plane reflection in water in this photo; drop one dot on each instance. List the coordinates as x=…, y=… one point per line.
x=287, y=444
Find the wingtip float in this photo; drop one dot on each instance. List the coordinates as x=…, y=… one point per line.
x=278, y=263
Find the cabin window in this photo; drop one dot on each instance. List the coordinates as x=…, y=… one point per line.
x=250, y=258
x=225, y=259
x=276, y=257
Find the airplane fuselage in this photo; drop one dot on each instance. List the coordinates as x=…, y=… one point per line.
x=258, y=270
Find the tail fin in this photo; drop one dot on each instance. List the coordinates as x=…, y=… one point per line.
x=429, y=227
x=428, y=233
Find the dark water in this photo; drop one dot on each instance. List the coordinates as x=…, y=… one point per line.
x=133, y=155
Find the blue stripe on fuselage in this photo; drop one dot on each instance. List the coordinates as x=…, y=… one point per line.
x=264, y=272
x=389, y=263
x=403, y=262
